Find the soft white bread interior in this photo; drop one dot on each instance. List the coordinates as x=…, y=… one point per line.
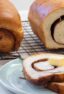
x=46, y=18
x=39, y=70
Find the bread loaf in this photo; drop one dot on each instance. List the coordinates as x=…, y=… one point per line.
x=46, y=18
x=11, y=33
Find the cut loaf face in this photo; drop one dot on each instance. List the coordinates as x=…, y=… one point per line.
x=40, y=69
x=46, y=18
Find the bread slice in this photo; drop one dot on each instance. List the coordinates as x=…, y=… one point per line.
x=57, y=87
x=38, y=70
x=46, y=18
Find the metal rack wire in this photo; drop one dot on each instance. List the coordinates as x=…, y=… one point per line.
x=30, y=45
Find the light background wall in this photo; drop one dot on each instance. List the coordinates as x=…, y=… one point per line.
x=22, y=4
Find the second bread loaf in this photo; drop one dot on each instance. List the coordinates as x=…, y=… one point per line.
x=46, y=18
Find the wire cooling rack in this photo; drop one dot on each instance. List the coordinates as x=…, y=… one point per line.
x=30, y=45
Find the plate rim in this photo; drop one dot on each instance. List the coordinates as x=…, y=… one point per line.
x=6, y=85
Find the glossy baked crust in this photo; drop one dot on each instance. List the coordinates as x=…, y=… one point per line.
x=11, y=33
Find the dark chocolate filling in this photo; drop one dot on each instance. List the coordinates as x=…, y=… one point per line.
x=53, y=27
x=35, y=62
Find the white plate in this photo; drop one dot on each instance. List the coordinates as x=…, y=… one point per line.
x=9, y=77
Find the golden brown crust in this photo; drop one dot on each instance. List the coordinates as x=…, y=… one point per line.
x=59, y=77
x=57, y=87
x=10, y=20
x=36, y=30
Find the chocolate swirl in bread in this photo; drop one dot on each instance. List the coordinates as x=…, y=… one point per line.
x=11, y=33
x=53, y=27
x=35, y=62
x=46, y=18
